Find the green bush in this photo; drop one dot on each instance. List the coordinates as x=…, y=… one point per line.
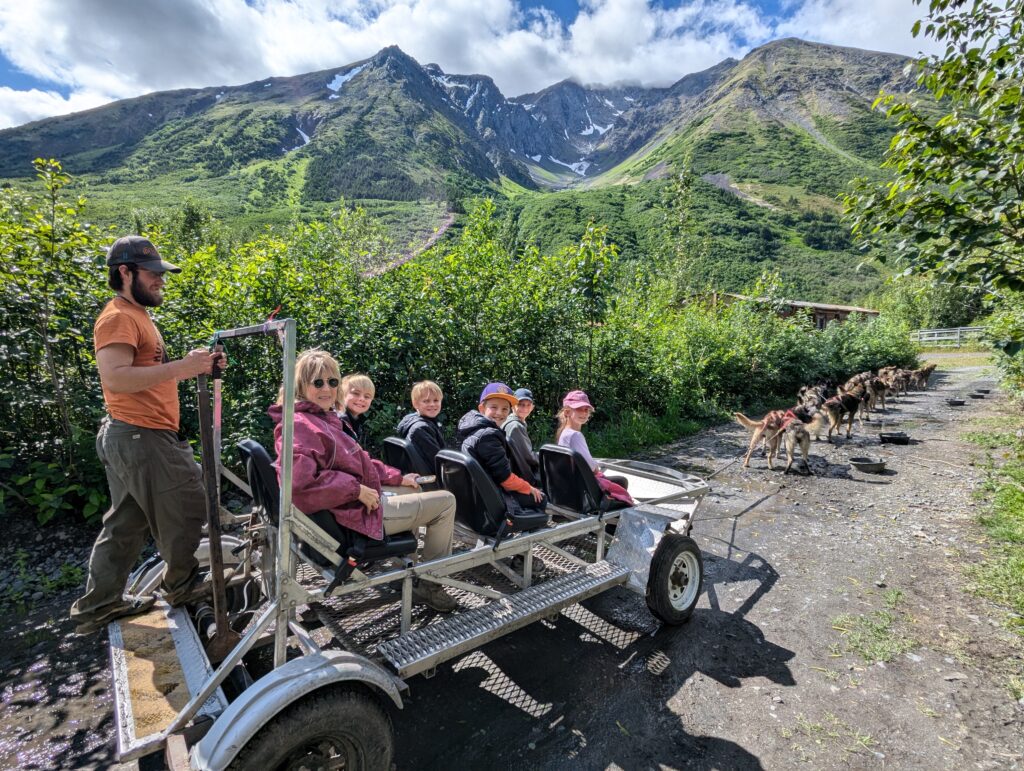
x=1004, y=330
x=464, y=313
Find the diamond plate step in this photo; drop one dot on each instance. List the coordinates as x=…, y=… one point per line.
x=425, y=648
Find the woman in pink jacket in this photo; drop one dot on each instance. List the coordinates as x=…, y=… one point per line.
x=332, y=472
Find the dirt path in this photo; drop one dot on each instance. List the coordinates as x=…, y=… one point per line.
x=763, y=676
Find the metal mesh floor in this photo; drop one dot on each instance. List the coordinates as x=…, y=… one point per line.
x=361, y=621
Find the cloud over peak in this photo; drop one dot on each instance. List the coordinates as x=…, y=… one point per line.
x=93, y=53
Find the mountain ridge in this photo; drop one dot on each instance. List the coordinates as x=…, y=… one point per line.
x=563, y=134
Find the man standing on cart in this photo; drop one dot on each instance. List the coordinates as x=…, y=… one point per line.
x=155, y=484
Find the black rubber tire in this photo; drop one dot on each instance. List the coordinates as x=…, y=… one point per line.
x=318, y=730
x=671, y=593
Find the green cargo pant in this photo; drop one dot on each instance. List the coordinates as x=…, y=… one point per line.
x=156, y=491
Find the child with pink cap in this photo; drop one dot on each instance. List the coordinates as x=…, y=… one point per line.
x=576, y=411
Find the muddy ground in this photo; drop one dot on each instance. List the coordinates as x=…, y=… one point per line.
x=763, y=676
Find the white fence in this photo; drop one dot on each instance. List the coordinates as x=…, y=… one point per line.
x=946, y=338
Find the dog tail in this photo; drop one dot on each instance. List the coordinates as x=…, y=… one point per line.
x=744, y=421
x=817, y=422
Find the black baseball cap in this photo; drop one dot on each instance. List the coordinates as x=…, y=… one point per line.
x=524, y=393
x=140, y=251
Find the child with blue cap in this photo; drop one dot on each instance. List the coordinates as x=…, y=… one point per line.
x=524, y=459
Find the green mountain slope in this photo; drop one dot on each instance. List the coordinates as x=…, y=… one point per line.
x=773, y=137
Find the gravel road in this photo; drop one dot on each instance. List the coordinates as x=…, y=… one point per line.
x=765, y=675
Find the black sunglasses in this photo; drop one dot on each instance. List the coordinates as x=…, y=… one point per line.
x=331, y=381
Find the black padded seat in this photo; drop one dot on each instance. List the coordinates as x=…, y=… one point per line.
x=569, y=482
x=403, y=455
x=479, y=503
x=266, y=491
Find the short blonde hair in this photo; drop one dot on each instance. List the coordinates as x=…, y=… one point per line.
x=310, y=365
x=426, y=388
x=357, y=380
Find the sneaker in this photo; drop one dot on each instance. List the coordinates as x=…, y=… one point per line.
x=433, y=596
x=200, y=589
x=124, y=610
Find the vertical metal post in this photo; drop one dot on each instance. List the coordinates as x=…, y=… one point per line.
x=224, y=638
x=406, y=604
x=285, y=564
x=218, y=417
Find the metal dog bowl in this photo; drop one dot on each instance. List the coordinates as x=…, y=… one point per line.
x=895, y=437
x=868, y=465
x=955, y=402
x=977, y=396
x=983, y=390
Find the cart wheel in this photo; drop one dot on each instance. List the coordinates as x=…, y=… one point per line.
x=332, y=728
x=677, y=572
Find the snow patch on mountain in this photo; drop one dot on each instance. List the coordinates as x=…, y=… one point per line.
x=445, y=82
x=593, y=127
x=472, y=98
x=340, y=79
x=580, y=167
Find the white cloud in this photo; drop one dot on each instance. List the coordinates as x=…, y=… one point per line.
x=101, y=51
x=876, y=25
x=17, y=107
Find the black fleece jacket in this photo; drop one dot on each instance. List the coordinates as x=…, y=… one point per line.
x=425, y=434
x=480, y=438
x=354, y=426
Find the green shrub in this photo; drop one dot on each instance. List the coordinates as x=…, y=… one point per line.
x=467, y=312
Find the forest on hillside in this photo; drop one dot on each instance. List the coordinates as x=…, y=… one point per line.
x=471, y=310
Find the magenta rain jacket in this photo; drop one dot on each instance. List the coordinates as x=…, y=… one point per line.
x=328, y=468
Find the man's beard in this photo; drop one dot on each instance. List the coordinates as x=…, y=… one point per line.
x=144, y=297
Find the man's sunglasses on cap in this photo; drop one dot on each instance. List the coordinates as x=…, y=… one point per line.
x=331, y=381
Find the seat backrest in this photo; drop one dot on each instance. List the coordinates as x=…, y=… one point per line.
x=568, y=481
x=259, y=468
x=402, y=454
x=479, y=503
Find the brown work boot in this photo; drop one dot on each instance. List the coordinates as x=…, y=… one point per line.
x=122, y=610
x=433, y=596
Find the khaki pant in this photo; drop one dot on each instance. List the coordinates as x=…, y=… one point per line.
x=156, y=491
x=411, y=510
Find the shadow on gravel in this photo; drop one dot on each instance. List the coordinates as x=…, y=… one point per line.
x=602, y=685
x=49, y=678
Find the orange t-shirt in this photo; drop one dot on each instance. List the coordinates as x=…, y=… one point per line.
x=156, y=407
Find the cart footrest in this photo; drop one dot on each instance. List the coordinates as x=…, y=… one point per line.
x=158, y=664
x=423, y=649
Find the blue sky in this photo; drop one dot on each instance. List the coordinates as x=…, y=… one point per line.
x=61, y=56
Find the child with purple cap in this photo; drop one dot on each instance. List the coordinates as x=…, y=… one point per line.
x=480, y=436
x=576, y=411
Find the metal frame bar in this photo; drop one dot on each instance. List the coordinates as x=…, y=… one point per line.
x=483, y=591
x=693, y=487
x=220, y=673
x=285, y=566
x=565, y=555
x=476, y=557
